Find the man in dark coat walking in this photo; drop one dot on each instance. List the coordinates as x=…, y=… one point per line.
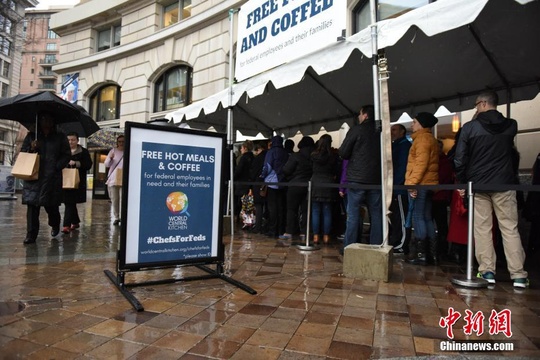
x=46, y=191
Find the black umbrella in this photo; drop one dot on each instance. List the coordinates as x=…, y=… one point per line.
x=24, y=109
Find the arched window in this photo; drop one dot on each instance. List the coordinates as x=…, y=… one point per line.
x=173, y=89
x=105, y=103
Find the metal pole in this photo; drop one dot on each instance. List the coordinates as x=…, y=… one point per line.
x=377, y=110
x=469, y=280
x=308, y=247
x=230, y=135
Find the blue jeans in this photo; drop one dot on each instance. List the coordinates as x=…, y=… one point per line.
x=421, y=216
x=319, y=208
x=355, y=198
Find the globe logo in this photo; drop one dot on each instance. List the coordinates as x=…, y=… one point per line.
x=177, y=202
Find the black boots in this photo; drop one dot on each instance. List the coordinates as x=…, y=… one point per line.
x=423, y=252
x=432, y=251
x=417, y=252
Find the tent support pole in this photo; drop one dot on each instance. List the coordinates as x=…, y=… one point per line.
x=377, y=110
x=230, y=134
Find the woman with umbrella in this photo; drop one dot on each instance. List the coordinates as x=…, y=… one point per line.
x=80, y=160
x=46, y=191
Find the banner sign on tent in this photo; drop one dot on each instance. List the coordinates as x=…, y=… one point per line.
x=173, y=192
x=273, y=32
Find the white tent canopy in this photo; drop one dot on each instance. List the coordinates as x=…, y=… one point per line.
x=443, y=53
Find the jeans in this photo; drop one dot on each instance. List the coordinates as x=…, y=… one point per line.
x=421, y=216
x=323, y=208
x=355, y=198
x=398, y=208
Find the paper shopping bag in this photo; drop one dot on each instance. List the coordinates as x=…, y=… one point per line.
x=70, y=179
x=26, y=166
x=119, y=176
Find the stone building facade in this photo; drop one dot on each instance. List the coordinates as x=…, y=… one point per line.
x=138, y=60
x=11, y=47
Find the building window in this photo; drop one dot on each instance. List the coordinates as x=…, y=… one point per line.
x=173, y=89
x=109, y=38
x=2, y=136
x=51, y=46
x=48, y=85
x=25, y=27
x=2, y=157
x=31, y=83
x=5, y=46
x=50, y=59
x=105, y=103
x=31, y=71
x=51, y=34
x=5, y=69
x=5, y=24
x=175, y=11
x=386, y=9
x=5, y=90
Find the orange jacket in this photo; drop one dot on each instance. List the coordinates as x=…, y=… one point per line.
x=423, y=162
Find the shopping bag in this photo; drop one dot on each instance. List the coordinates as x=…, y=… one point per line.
x=119, y=176
x=70, y=178
x=26, y=167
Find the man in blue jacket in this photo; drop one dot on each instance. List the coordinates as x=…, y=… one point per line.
x=362, y=147
x=484, y=157
x=400, y=204
x=272, y=172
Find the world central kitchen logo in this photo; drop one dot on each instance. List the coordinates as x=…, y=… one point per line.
x=178, y=203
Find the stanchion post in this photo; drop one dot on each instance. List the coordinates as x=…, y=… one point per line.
x=469, y=280
x=308, y=247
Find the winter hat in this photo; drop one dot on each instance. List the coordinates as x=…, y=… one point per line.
x=426, y=119
x=305, y=142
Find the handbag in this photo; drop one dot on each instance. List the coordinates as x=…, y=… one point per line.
x=70, y=178
x=263, y=191
x=26, y=166
x=119, y=176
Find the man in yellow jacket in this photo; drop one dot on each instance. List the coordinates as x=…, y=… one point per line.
x=423, y=169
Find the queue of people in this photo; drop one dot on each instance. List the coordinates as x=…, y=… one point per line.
x=484, y=153
x=416, y=163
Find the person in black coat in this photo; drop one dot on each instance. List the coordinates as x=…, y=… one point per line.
x=326, y=169
x=46, y=191
x=298, y=169
x=242, y=173
x=80, y=159
x=256, y=170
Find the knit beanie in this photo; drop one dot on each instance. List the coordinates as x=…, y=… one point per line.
x=426, y=119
